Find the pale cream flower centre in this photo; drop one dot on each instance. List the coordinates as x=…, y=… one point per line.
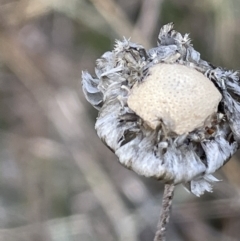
x=178, y=96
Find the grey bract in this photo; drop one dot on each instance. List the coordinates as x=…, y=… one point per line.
x=190, y=158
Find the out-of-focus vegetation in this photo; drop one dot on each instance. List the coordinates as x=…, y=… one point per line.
x=58, y=182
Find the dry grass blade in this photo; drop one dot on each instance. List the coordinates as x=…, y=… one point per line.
x=118, y=20
x=35, y=81
x=208, y=210
x=225, y=25
x=148, y=18
x=24, y=11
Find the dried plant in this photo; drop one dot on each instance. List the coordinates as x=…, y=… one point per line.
x=165, y=112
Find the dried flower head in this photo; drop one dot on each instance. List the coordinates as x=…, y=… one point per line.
x=165, y=112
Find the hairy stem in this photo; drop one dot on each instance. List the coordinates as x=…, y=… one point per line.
x=165, y=213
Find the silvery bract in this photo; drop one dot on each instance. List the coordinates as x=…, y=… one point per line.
x=165, y=112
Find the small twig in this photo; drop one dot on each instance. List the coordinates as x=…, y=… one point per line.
x=165, y=212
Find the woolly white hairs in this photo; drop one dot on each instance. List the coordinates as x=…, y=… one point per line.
x=178, y=135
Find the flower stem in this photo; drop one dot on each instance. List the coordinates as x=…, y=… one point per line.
x=165, y=212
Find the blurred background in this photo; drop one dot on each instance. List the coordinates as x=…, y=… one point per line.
x=58, y=182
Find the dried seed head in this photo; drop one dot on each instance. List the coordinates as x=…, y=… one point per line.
x=170, y=89
x=178, y=96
